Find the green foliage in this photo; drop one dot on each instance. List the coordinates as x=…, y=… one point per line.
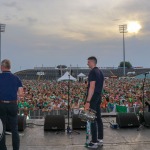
x=127, y=64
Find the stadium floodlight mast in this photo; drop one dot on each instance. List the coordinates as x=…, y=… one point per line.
x=2, y=29
x=123, y=30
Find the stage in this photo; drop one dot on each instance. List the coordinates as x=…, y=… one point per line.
x=35, y=138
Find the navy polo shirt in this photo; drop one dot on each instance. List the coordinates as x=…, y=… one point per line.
x=9, y=84
x=96, y=75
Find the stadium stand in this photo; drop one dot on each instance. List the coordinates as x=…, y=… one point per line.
x=54, y=73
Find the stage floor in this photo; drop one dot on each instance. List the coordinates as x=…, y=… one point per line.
x=34, y=138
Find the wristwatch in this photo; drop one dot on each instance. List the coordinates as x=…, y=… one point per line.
x=87, y=101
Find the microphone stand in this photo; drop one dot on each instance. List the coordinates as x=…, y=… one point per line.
x=143, y=102
x=68, y=127
x=69, y=130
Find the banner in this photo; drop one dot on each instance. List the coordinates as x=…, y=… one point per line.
x=121, y=108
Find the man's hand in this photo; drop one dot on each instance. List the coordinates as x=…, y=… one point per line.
x=87, y=106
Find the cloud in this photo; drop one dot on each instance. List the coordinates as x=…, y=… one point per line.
x=32, y=20
x=80, y=20
x=133, y=10
x=10, y=4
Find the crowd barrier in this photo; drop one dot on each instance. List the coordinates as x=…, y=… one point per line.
x=39, y=114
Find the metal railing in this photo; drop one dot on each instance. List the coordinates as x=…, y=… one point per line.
x=39, y=114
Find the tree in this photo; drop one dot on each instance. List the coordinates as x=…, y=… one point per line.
x=127, y=64
x=61, y=66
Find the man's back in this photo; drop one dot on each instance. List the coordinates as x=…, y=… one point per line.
x=9, y=85
x=96, y=75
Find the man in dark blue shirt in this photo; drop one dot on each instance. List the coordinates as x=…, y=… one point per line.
x=10, y=89
x=95, y=86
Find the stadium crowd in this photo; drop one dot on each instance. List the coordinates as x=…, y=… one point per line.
x=52, y=95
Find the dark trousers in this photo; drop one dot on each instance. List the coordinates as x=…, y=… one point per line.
x=149, y=108
x=9, y=112
x=97, y=125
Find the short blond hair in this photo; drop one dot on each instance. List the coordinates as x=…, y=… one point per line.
x=6, y=63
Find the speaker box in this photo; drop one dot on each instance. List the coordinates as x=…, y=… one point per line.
x=21, y=123
x=54, y=123
x=127, y=120
x=77, y=123
x=145, y=119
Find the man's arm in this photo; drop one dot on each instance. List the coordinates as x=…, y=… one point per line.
x=90, y=94
x=91, y=91
x=20, y=92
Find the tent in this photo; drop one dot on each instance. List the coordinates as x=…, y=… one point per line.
x=67, y=77
x=81, y=75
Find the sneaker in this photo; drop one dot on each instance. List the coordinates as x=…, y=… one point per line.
x=100, y=142
x=92, y=145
